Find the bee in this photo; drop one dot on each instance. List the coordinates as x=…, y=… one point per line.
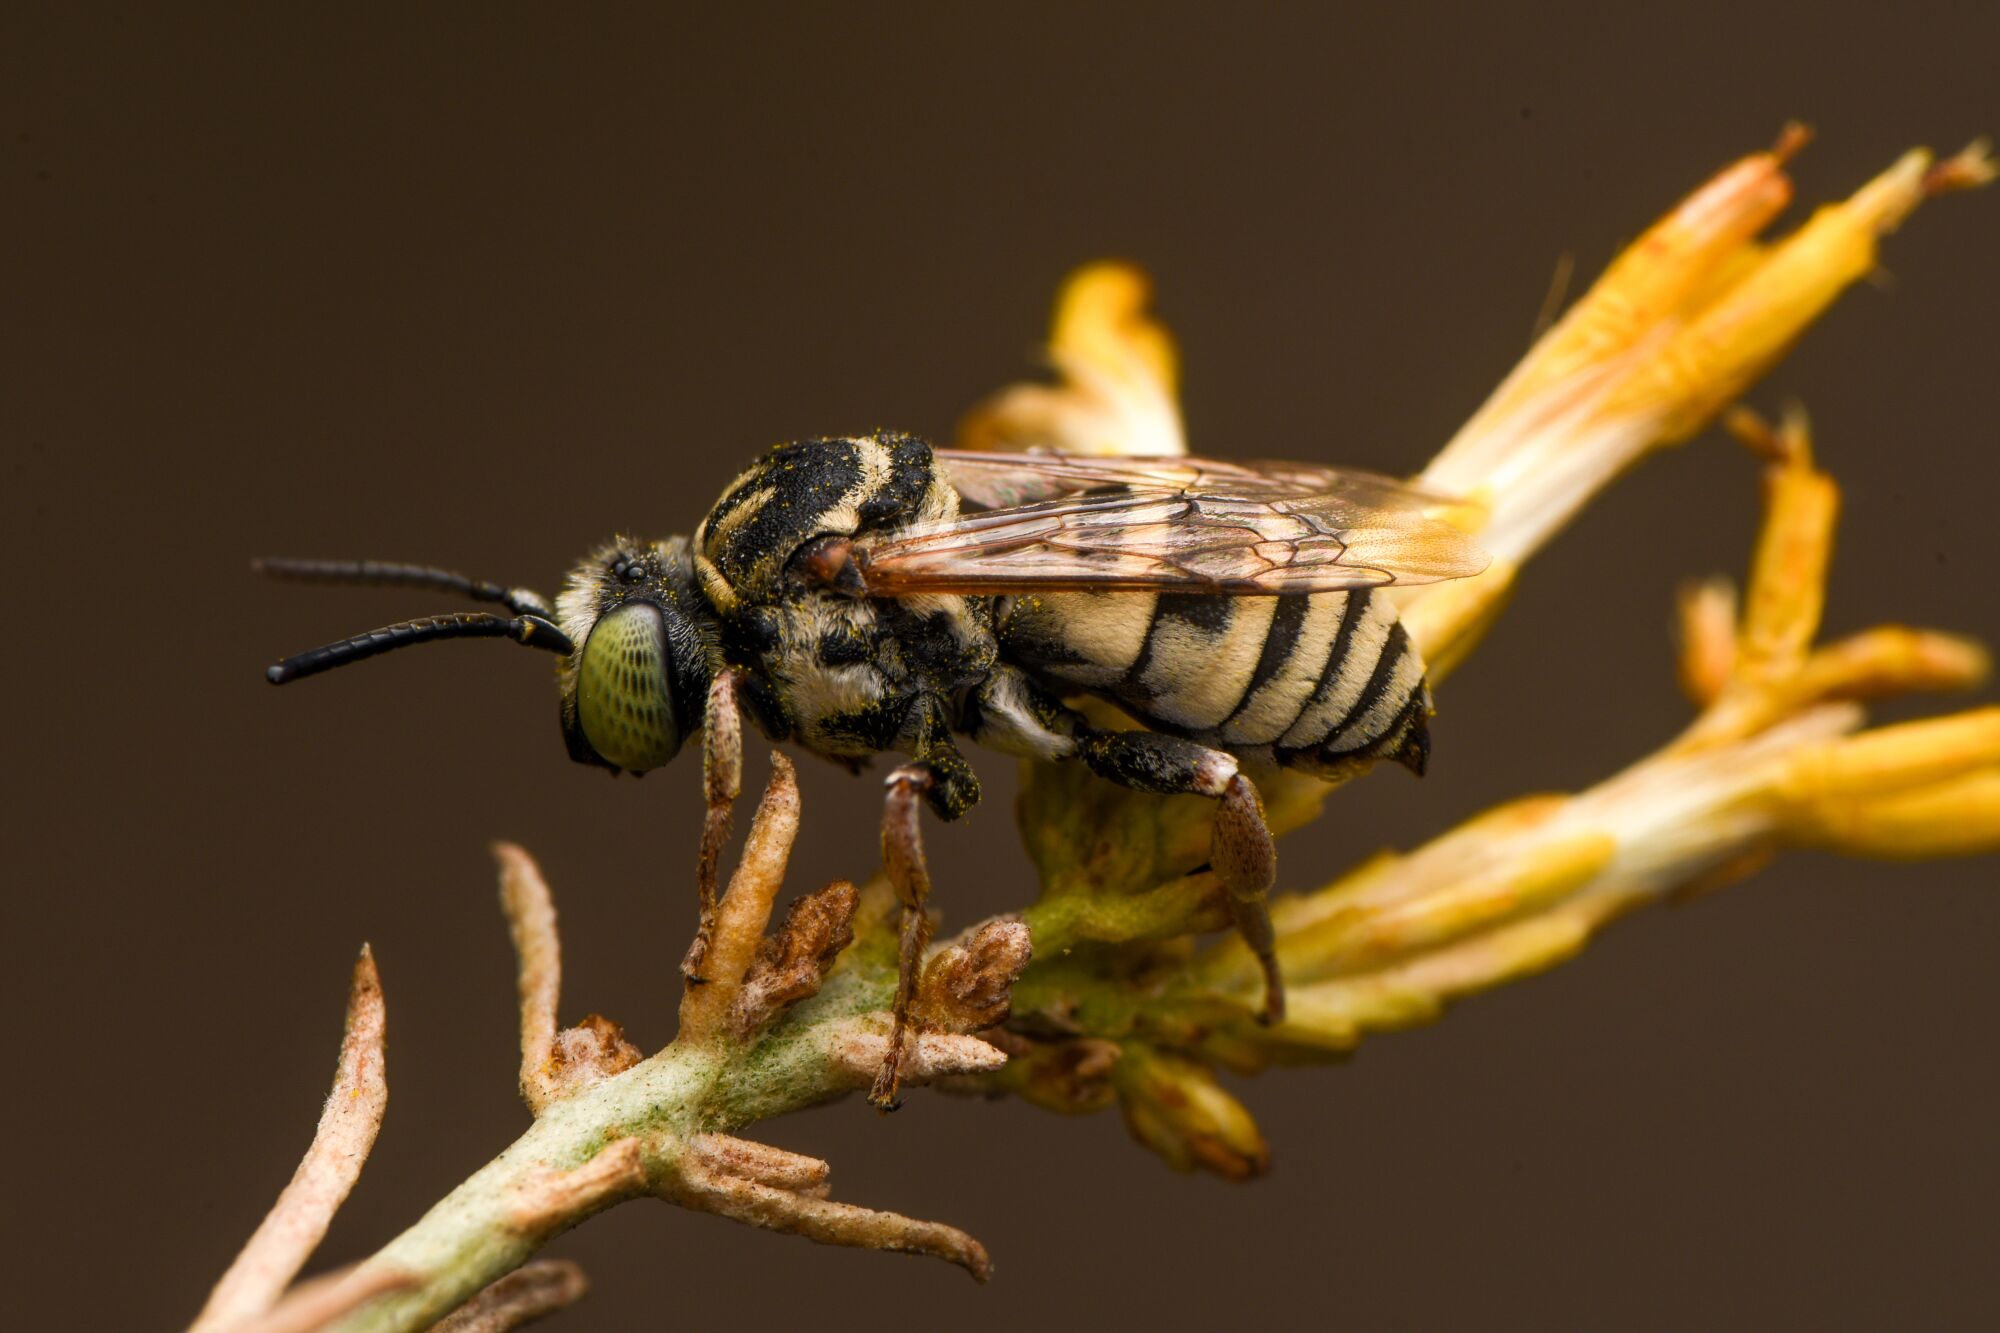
x=875, y=595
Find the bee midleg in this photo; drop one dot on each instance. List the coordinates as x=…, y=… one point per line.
x=722, y=783
x=937, y=776
x=1241, y=850
x=1011, y=712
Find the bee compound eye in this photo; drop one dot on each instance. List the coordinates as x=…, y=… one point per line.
x=624, y=695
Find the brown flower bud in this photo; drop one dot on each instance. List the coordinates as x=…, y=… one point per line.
x=969, y=985
x=1072, y=1076
x=590, y=1052
x=791, y=965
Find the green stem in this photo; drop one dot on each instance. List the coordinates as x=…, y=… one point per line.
x=475, y=1234
x=1185, y=905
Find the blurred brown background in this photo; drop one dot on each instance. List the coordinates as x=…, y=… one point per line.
x=482, y=290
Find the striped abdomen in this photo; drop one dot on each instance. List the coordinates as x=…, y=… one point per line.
x=1319, y=680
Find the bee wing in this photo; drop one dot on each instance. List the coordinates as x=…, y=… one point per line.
x=1194, y=525
x=1005, y=481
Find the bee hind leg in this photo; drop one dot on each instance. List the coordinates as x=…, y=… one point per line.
x=1241, y=850
x=1245, y=859
x=938, y=777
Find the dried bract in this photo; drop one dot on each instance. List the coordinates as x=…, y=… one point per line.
x=968, y=986
x=1175, y=1107
x=293, y=1228
x=792, y=965
x=545, y=1199
x=745, y=908
x=594, y=1049
x=530, y=1292
x=531, y=920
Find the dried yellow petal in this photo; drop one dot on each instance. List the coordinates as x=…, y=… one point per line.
x=1787, y=589
x=1746, y=327
x=1957, y=817
x=1119, y=373
x=1889, y=759
x=1708, y=637
x=1174, y=1106
x=1671, y=264
x=1102, y=320
x=1515, y=877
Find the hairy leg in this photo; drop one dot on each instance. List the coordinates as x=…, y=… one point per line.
x=910, y=875
x=939, y=777
x=722, y=781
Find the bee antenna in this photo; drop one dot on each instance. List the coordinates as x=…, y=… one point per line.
x=532, y=630
x=521, y=601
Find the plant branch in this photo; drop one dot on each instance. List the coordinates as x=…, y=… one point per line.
x=1096, y=994
x=293, y=1228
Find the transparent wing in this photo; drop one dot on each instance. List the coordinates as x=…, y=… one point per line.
x=1006, y=481
x=1188, y=524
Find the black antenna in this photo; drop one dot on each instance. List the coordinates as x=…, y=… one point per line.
x=533, y=623
x=521, y=601
x=531, y=630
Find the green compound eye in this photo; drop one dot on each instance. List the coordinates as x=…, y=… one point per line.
x=624, y=699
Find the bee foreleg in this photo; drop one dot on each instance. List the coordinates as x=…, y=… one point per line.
x=1241, y=850
x=909, y=874
x=722, y=782
x=941, y=778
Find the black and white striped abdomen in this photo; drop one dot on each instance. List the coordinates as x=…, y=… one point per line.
x=1318, y=680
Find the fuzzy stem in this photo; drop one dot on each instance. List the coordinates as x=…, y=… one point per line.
x=493, y=1221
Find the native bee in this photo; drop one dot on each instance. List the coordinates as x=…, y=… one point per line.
x=874, y=595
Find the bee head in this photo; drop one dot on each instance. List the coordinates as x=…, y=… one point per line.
x=636, y=684
x=636, y=641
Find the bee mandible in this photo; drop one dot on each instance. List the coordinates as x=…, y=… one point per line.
x=874, y=595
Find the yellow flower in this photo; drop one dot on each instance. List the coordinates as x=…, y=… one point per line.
x=1118, y=368
x=1678, y=326
x=1773, y=760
